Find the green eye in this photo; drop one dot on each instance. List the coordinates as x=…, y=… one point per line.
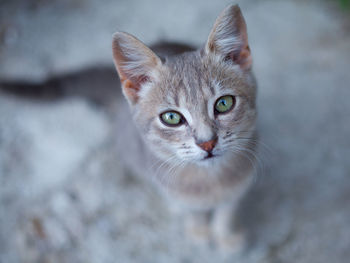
x=224, y=104
x=171, y=118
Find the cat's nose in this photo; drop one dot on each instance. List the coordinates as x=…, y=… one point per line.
x=208, y=146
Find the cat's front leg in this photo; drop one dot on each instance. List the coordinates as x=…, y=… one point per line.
x=223, y=228
x=197, y=225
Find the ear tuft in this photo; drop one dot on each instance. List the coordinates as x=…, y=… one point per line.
x=229, y=38
x=134, y=62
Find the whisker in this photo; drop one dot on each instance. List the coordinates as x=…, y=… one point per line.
x=254, y=154
x=251, y=155
x=185, y=147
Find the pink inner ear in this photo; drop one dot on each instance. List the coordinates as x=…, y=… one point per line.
x=130, y=90
x=134, y=82
x=132, y=87
x=241, y=58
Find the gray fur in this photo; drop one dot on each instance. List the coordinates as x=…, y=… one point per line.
x=190, y=83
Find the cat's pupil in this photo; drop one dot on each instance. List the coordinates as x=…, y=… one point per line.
x=223, y=102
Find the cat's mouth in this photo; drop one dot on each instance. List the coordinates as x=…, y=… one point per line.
x=209, y=156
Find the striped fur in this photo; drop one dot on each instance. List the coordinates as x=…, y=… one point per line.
x=190, y=83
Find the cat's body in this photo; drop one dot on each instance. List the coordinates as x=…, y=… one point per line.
x=193, y=128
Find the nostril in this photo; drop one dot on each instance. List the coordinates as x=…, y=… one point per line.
x=208, y=146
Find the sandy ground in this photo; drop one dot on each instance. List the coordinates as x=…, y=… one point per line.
x=64, y=196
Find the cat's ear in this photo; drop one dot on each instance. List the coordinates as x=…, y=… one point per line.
x=229, y=38
x=134, y=62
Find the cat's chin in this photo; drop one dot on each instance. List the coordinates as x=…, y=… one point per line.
x=210, y=160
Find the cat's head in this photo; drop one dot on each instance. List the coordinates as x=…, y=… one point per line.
x=195, y=107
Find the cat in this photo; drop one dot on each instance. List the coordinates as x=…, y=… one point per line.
x=190, y=123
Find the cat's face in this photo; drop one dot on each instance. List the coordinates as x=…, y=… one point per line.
x=198, y=107
x=196, y=99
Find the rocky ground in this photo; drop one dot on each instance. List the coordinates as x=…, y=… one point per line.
x=64, y=196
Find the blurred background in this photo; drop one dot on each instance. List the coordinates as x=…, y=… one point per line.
x=64, y=195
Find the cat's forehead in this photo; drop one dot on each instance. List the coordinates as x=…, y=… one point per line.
x=189, y=67
x=192, y=77
x=187, y=76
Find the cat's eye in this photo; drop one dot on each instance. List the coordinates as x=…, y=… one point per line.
x=224, y=104
x=172, y=118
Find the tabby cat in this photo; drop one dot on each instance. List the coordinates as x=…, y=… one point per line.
x=191, y=124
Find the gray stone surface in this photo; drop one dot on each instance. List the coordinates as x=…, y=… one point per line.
x=64, y=196
x=41, y=37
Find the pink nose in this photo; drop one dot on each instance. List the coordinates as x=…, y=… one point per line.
x=209, y=145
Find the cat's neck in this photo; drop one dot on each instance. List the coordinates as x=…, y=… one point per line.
x=204, y=184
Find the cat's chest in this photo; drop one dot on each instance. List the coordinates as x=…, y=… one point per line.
x=206, y=186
